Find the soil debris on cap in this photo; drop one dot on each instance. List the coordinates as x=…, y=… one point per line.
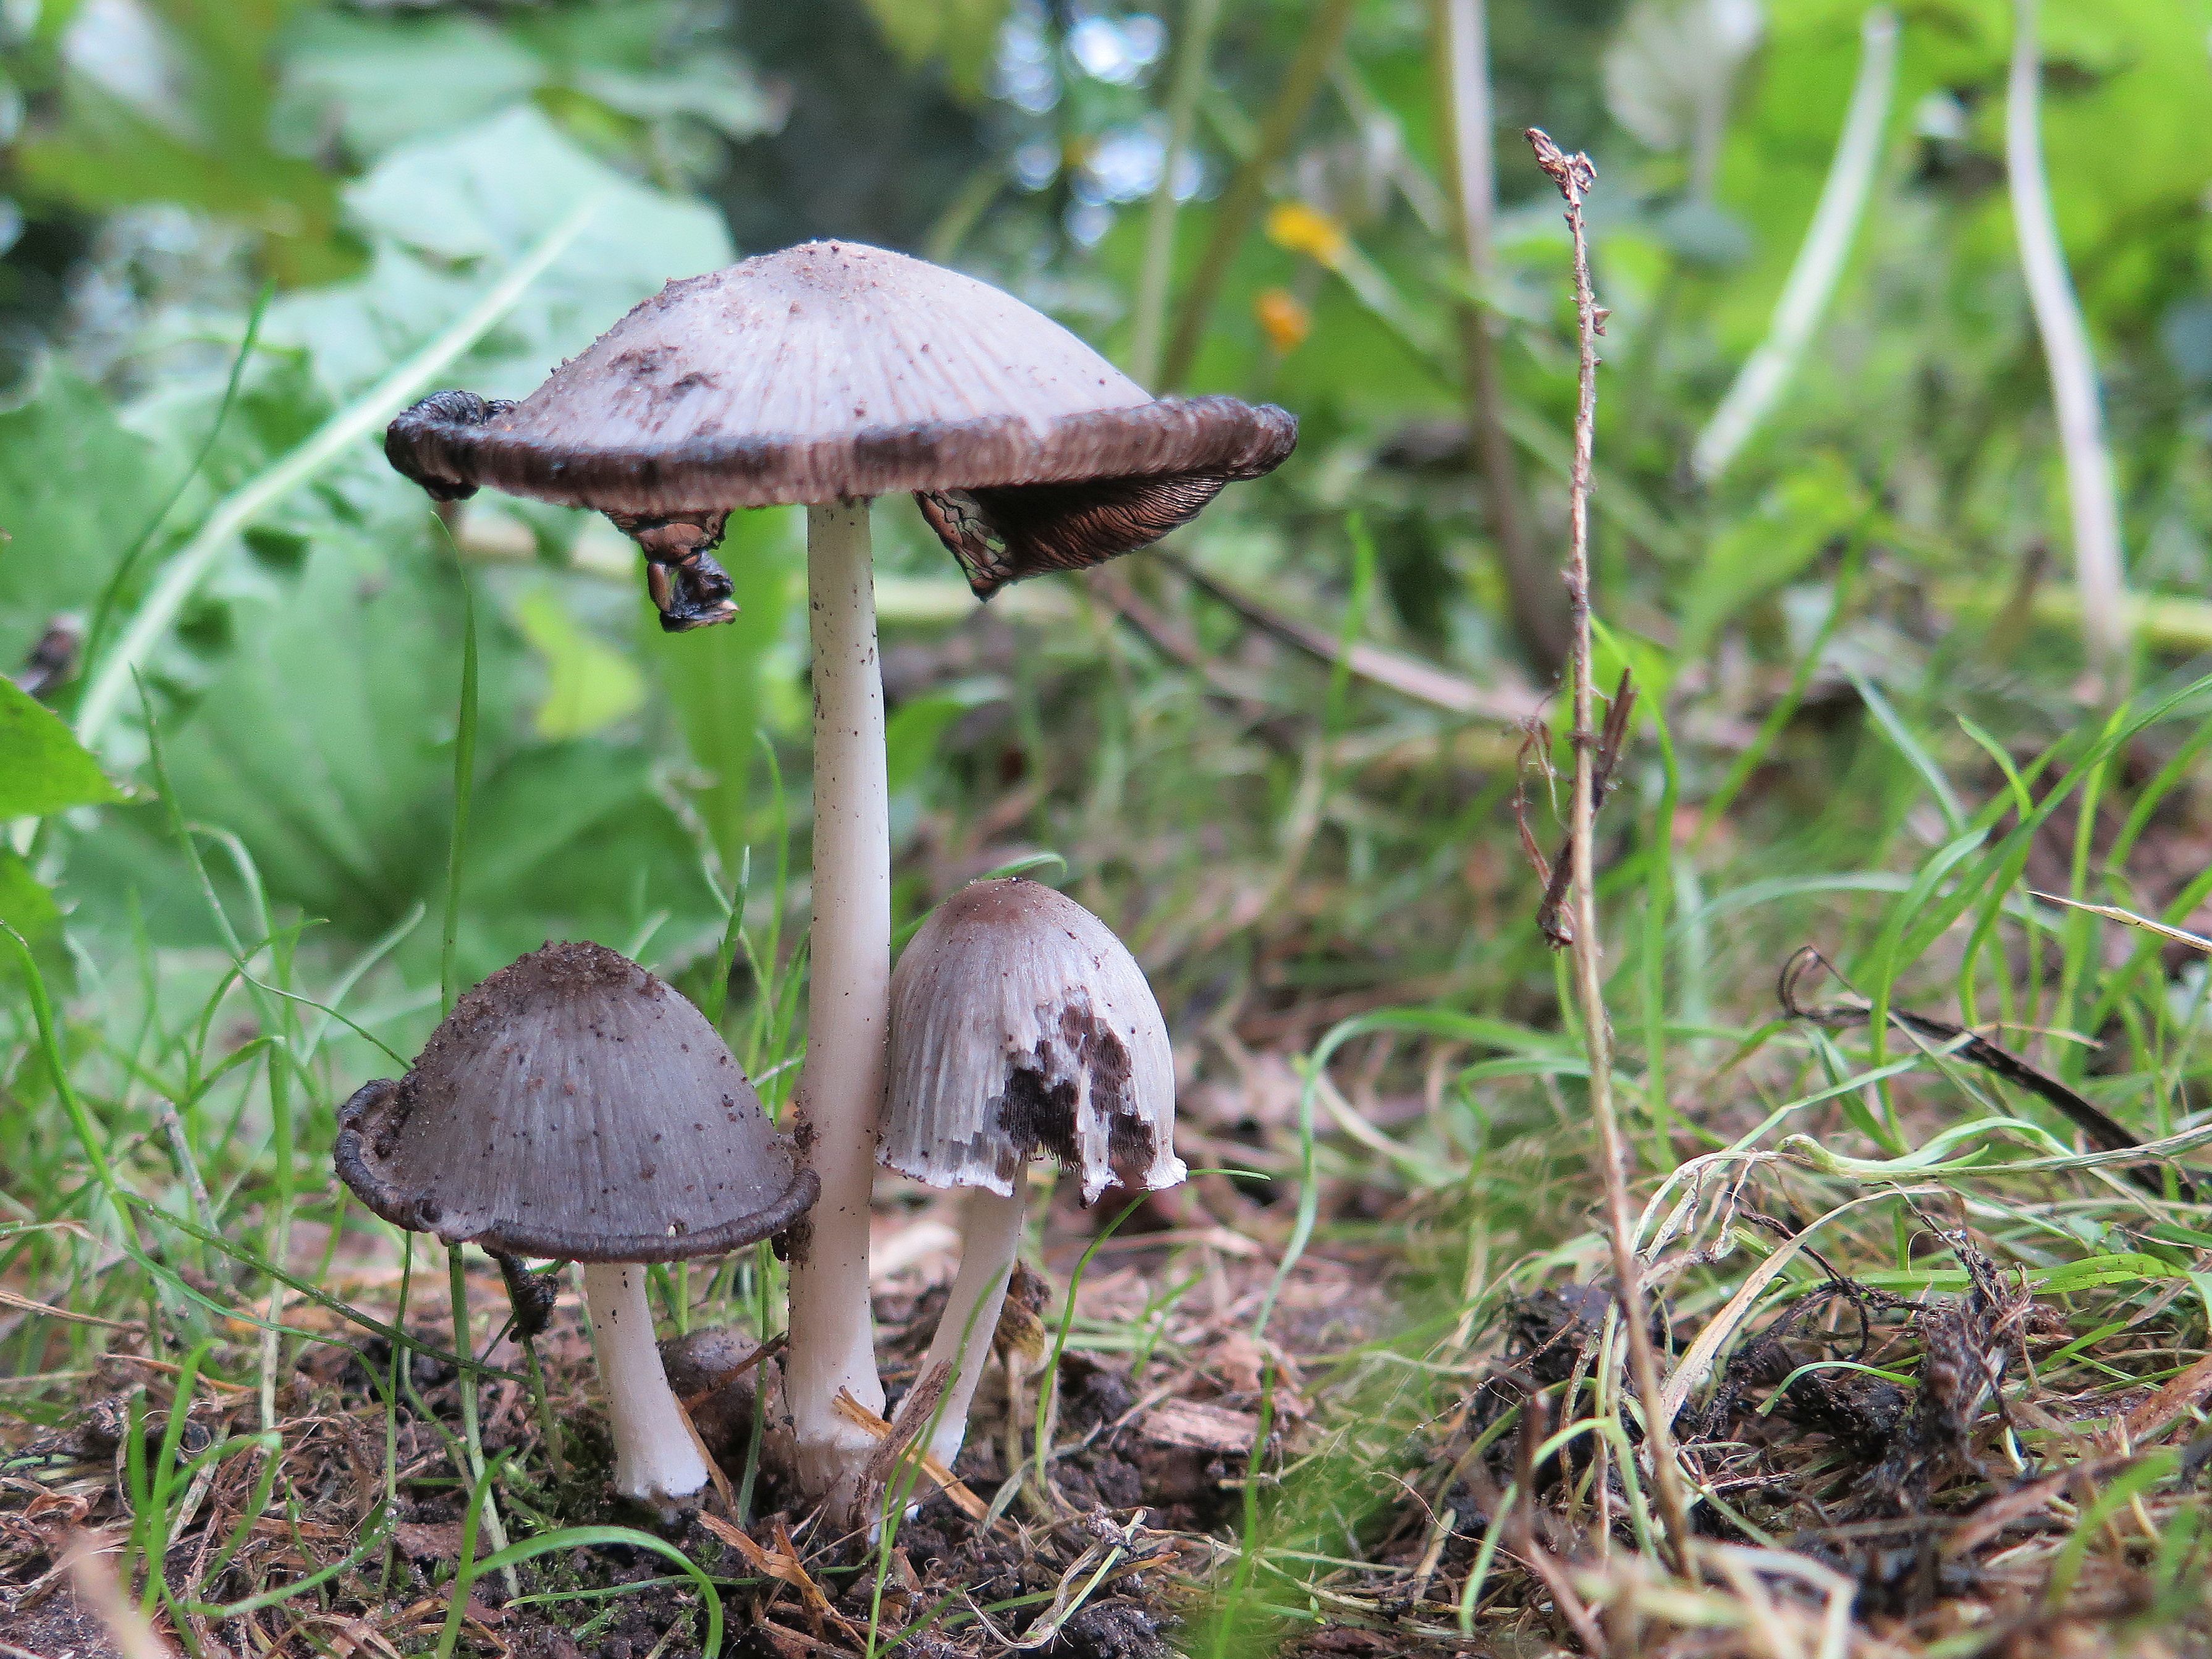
x=573, y=1106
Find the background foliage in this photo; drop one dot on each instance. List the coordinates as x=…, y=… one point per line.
x=223, y=223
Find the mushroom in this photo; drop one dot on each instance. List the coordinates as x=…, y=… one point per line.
x=575, y=1107
x=1020, y=1027
x=828, y=374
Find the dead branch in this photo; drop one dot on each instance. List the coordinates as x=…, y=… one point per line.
x=1574, y=175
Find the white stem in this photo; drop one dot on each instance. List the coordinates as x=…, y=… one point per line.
x=1820, y=263
x=841, y=1090
x=990, y=1233
x=2090, y=495
x=656, y=1459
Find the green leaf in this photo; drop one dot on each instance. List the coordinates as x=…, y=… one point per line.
x=442, y=213
x=170, y=102
x=960, y=33
x=43, y=767
x=590, y=685
x=445, y=220
x=327, y=748
x=713, y=680
x=74, y=488
x=29, y=908
x=385, y=81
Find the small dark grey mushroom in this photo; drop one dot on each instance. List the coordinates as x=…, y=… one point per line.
x=1021, y=1028
x=573, y=1106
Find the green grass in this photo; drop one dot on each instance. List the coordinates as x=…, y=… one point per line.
x=1863, y=1147
x=1863, y=726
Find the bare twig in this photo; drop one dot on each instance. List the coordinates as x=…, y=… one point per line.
x=1552, y=915
x=1535, y=754
x=1574, y=175
x=1463, y=60
x=1509, y=703
x=2089, y=491
x=895, y=1440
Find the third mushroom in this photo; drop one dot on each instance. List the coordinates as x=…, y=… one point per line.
x=1021, y=1027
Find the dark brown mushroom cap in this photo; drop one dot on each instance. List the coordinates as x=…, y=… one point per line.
x=834, y=371
x=573, y=1106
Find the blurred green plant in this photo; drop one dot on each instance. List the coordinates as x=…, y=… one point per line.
x=1860, y=720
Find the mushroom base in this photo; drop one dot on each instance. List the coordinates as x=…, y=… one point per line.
x=656, y=1458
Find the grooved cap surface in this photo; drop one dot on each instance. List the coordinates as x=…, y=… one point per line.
x=1021, y=1027
x=573, y=1106
x=834, y=370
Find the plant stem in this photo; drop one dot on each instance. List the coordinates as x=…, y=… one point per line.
x=1574, y=175
x=1240, y=203
x=990, y=1233
x=841, y=1086
x=1191, y=52
x=2090, y=495
x=400, y=1351
x=656, y=1460
x=1462, y=52
x=548, y=1425
x=472, y=1429
x=1819, y=262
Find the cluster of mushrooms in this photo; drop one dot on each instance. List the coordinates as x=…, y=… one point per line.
x=574, y=1107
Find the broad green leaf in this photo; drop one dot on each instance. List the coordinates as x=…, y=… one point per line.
x=43, y=767
x=29, y=908
x=959, y=33
x=170, y=102
x=76, y=489
x=389, y=80
x=590, y=684
x=444, y=220
x=442, y=214
x=712, y=681
x=386, y=80
x=326, y=749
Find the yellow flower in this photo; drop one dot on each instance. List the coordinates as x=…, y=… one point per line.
x=1284, y=321
x=1307, y=230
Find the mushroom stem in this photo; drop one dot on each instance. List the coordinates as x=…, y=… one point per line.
x=657, y=1461
x=990, y=1233
x=841, y=1089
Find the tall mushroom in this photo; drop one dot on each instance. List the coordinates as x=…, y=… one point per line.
x=574, y=1107
x=1020, y=1027
x=826, y=375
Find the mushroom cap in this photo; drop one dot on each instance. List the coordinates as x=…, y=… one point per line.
x=573, y=1106
x=834, y=371
x=1020, y=1027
